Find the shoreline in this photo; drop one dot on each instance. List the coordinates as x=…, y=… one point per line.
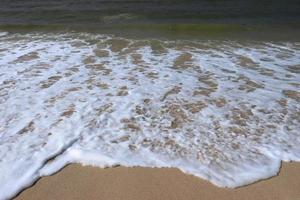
x=78, y=182
x=224, y=110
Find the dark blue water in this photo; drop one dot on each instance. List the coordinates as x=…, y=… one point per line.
x=149, y=11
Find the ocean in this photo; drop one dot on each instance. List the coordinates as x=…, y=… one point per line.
x=208, y=87
x=97, y=12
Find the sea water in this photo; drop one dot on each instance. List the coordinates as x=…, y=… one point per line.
x=226, y=111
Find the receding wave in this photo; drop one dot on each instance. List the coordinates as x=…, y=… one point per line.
x=226, y=111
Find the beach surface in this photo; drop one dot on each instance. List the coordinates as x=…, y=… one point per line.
x=211, y=88
x=225, y=111
x=77, y=182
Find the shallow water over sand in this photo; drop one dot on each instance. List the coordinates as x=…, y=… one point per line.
x=225, y=111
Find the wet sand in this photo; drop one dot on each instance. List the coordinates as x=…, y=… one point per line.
x=77, y=182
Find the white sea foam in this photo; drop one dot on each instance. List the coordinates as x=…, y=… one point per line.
x=227, y=112
x=3, y=34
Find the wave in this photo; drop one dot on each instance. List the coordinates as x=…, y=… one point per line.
x=97, y=12
x=225, y=111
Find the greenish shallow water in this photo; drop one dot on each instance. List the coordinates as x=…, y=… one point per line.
x=175, y=30
x=205, y=19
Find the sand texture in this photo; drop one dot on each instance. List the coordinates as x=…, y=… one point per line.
x=77, y=182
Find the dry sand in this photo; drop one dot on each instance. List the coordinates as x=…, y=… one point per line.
x=77, y=182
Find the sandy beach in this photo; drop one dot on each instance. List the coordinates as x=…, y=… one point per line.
x=77, y=182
